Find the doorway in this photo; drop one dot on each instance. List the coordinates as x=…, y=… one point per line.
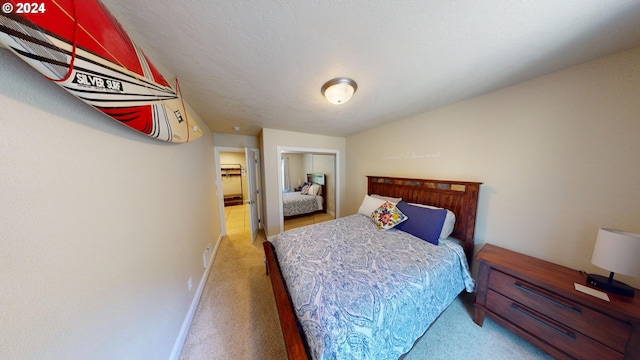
x=238, y=186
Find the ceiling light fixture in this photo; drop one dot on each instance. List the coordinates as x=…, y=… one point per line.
x=339, y=90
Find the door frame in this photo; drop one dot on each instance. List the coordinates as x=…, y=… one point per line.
x=251, y=160
x=217, y=150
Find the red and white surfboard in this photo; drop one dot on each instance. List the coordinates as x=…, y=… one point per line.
x=81, y=47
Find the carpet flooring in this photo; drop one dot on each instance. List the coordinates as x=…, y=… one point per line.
x=237, y=318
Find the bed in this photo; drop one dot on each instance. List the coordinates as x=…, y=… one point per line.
x=346, y=289
x=305, y=202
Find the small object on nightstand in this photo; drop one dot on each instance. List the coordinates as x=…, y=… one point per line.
x=593, y=292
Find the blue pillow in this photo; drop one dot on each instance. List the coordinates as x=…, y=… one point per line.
x=424, y=223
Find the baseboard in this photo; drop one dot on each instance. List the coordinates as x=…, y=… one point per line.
x=184, y=330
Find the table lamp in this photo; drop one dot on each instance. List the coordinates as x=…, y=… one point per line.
x=618, y=252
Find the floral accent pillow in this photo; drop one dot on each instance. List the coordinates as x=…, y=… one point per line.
x=305, y=189
x=387, y=216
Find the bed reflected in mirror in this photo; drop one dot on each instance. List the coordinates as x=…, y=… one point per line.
x=307, y=197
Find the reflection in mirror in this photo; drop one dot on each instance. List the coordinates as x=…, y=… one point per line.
x=308, y=188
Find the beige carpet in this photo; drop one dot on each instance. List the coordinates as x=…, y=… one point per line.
x=236, y=317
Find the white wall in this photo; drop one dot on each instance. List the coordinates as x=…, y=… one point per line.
x=100, y=227
x=236, y=140
x=558, y=155
x=271, y=139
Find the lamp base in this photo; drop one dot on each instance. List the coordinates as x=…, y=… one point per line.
x=610, y=285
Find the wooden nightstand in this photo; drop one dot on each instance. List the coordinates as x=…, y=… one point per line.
x=537, y=300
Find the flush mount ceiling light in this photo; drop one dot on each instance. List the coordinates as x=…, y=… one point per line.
x=339, y=90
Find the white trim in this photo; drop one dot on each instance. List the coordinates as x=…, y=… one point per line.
x=186, y=324
x=335, y=152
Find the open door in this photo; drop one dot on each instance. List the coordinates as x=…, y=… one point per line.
x=253, y=192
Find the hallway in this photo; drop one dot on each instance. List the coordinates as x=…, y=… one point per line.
x=237, y=317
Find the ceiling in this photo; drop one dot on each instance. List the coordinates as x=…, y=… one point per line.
x=261, y=63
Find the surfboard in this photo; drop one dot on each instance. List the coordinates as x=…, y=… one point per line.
x=80, y=46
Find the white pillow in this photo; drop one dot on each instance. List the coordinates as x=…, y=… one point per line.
x=369, y=205
x=449, y=221
x=314, y=189
x=392, y=200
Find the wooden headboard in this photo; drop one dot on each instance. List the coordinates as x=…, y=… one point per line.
x=316, y=178
x=461, y=197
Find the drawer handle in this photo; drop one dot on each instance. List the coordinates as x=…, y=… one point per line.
x=572, y=308
x=542, y=321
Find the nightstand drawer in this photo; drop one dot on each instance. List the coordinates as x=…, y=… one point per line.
x=554, y=333
x=607, y=330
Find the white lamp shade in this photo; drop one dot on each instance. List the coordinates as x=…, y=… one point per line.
x=617, y=251
x=339, y=90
